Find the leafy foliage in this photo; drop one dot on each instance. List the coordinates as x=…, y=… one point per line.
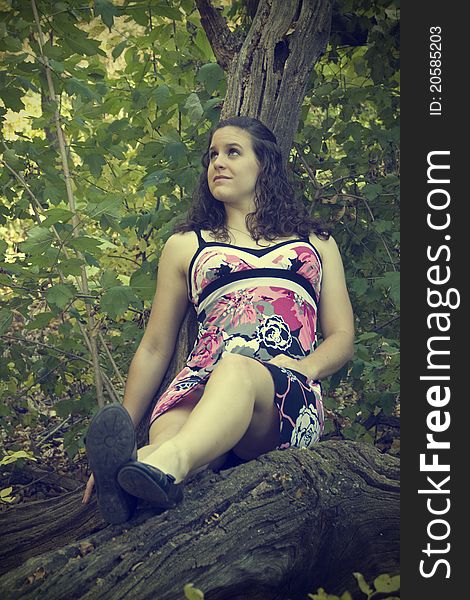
x=383, y=584
x=136, y=89
x=12, y=457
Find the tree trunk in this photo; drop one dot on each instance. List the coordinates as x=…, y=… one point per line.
x=277, y=527
x=268, y=69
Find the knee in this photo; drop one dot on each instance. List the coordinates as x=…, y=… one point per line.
x=237, y=366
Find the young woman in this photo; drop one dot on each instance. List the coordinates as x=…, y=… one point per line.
x=259, y=272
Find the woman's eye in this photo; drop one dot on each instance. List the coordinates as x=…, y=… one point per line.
x=231, y=150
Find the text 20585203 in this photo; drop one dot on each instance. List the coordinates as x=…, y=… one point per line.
x=435, y=71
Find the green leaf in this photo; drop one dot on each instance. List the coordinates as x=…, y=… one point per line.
x=388, y=402
x=12, y=44
x=109, y=279
x=91, y=260
x=5, y=410
x=14, y=456
x=210, y=75
x=167, y=11
x=362, y=352
x=39, y=240
x=143, y=285
x=368, y=335
x=56, y=215
x=57, y=65
x=155, y=178
x=10, y=157
x=391, y=280
x=339, y=376
x=363, y=586
x=385, y=583
x=353, y=129
x=131, y=332
x=116, y=300
x=176, y=151
x=359, y=285
x=109, y=207
x=59, y=295
x=82, y=45
x=350, y=412
x=71, y=266
x=372, y=190
x=192, y=593
x=325, y=89
x=162, y=96
x=194, y=107
x=95, y=163
x=118, y=50
x=76, y=87
x=6, y=319
x=67, y=407
x=54, y=191
x=6, y=279
x=5, y=494
x=381, y=225
x=40, y=321
x=106, y=10
x=85, y=243
x=12, y=98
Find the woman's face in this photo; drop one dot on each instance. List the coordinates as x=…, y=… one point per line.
x=231, y=156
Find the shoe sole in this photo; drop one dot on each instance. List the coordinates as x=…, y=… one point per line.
x=110, y=444
x=147, y=487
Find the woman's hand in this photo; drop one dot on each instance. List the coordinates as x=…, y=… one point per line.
x=88, y=490
x=282, y=360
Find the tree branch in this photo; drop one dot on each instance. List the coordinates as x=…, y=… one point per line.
x=71, y=200
x=392, y=262
x=224, y=44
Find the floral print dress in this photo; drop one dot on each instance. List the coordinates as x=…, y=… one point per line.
x=259, y=303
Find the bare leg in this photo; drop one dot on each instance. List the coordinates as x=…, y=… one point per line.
x=146, y=451
x=238, y=396
x=168, y=425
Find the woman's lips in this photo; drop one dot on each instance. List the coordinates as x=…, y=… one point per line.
x=221, y=179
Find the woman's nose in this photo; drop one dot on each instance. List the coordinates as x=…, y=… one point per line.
x=219, y=161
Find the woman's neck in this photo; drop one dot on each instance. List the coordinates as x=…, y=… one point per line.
x=246, y=232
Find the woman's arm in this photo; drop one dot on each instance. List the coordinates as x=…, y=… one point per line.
x=143, y=380
x=335, y=316
x=336, y=320
x=156, y=348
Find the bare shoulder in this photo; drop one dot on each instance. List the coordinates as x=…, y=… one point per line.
x=181, y=246
x=326, y=247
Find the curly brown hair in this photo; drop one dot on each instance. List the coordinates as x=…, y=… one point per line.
x=278, y=212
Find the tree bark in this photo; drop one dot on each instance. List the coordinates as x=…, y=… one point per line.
x=277, y=527
x=269, y=68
